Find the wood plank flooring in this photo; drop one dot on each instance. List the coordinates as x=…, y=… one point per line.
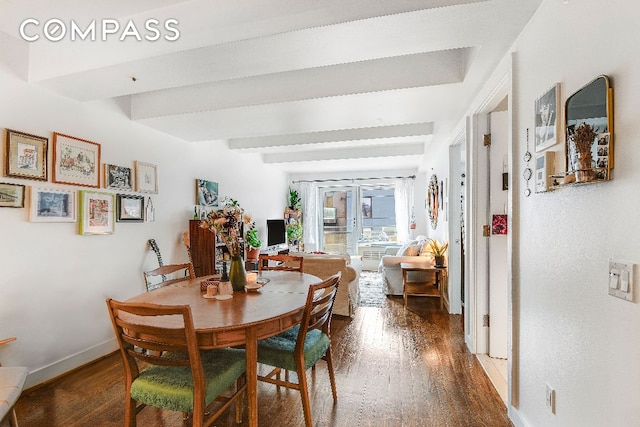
x=394, y=367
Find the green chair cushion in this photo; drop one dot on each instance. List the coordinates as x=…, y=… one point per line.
x=171, y=387
x=278, y=350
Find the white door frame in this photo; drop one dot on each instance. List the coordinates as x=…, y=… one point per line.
x=454, y=191
x=476, y=284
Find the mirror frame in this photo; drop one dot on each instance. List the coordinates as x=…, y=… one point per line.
x=597, y=141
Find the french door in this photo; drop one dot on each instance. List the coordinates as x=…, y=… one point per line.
x=340, y=225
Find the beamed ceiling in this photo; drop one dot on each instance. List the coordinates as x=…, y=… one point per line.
x=335, y=85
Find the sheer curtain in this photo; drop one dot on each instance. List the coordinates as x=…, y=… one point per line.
x=404, y=207
x=309, y=195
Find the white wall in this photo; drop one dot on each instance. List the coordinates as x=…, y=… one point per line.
x=573, y=336
x=569, y=333
x=54, y=282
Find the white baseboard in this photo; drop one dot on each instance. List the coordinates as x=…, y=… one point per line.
x=73, y=361
x=516, y=418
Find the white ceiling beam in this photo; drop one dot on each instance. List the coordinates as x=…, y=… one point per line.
x=347, y=153
x=414, y=129
x=399, y=72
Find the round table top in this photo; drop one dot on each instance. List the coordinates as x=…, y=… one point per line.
x=284, y=295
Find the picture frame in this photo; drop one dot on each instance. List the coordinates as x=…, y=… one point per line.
x=75, y=161
x=547, y=125
x=129, y=208
x=49, y=205
x=206, y=193
x=11, y=195
x=367, y=207
x=499, y=224
x=97, y=212
x=26, y=155
x=146, y=177
x=118, y=177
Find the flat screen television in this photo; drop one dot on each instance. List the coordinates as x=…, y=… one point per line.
x=276, y=233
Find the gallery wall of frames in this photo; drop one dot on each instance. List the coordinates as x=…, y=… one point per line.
x=106, y=193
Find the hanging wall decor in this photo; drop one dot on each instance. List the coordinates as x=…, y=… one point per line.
x=433, y=200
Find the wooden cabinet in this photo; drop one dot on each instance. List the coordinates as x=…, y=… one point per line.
x=202, y=243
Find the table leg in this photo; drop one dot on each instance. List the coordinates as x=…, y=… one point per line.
x=251, y=351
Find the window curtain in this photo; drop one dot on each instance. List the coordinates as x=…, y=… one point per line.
x=404, y=207
x=309, y=194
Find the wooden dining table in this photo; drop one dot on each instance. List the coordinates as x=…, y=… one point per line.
x=242, y=320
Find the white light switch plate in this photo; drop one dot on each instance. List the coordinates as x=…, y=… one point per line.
x=621, y=279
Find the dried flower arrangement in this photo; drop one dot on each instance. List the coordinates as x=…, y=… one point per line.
x=227, y=223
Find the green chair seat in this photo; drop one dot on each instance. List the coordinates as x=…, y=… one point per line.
x=171, y=387
x=278, y=350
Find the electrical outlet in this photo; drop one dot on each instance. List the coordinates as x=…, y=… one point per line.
x=551, y=399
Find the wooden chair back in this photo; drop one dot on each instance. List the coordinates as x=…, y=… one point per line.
x=318, y=309
x=280, y=262
x=168, y=274
x=141, y=342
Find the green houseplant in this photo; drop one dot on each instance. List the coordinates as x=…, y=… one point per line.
x=253, y=244
x=294, y=199
x=438, y=250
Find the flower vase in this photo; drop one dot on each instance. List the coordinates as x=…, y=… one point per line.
x=237, y=274
x=584, y=171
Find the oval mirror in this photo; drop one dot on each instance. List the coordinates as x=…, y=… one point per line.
x=589, y=131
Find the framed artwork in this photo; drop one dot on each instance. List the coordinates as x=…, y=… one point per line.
x=547, y=127
x=499, y=224
x=97, y=212
x=129, y=208
x=75, y=161
x=367, y=208
x=118, y=177
x=49, y=205
x=206, y=193
x=146, y=177
x=433, y=201
x=151, y=211
x=11, y=195
x=26, y=155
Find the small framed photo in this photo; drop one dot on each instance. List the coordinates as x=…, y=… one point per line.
x=130, y=208
x=547, y=126
x=499, y=224
x=206, y=193
x=97, y=212
x=11, y=195
x=75, y=161
x=49, y=205
x=146, y=177
x=26, y=155
x=118, y=177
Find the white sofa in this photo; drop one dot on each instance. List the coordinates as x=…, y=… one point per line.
x=389, y=266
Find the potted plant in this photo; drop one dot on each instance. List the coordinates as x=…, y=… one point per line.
x=294, y=199
x=438, y=250
x=253, y=244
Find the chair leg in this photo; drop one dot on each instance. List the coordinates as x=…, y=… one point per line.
x=130, y=411
x=240, y=400
x=304, y=394
x=332, y=377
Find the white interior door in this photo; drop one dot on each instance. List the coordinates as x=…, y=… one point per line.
x=498, y=266
x=456, y=226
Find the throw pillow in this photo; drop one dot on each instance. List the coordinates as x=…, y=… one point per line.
x=404, y=247
x=412, y=250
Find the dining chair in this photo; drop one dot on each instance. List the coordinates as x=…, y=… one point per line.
x=168, y=274
x=280, y=262
x=165, y=368
x=301, y=347
x=12, y=379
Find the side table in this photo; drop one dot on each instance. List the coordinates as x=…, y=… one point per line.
x=428, y=287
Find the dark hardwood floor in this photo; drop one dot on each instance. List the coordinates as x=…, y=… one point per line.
x=394, y=367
